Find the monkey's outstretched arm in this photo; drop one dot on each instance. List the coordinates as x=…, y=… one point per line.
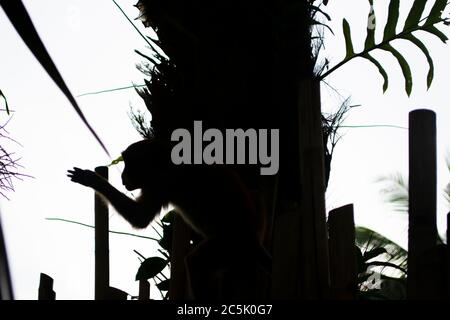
x=136, y=213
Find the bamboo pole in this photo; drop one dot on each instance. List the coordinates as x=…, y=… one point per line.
x=46, y=288
x=300, y=241
x=180, y=248
x=285, y=253
x=144, y=290
x=6, y=292
x=314, y=280
x=343, y=263
x=101, y=242
x=448, y=256
x=422, y=237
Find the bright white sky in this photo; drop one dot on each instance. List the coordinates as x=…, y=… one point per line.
x=93, y=44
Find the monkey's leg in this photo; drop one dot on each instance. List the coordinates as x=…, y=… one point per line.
x=222, y=269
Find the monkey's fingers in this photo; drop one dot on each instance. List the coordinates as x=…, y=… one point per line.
x=71, y=173
x=74, y=176
x=75, y=170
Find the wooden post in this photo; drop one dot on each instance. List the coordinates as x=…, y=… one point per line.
x=180, y=248
x=6, y=292
x=300, y=250
x=422, y=237
x=46, y=288
x=448, y=256
x=315, y=279
x=101, y=242
x=144, y=290
x=285, y=257
x=343, y=263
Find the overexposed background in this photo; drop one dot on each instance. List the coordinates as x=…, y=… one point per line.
x=92, y=45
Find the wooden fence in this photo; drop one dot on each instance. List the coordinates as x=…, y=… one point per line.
x=428, y=269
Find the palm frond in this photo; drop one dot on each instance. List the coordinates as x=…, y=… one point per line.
x=368, y=240
x=395, y=191
x=414, y=23
x=18, y=15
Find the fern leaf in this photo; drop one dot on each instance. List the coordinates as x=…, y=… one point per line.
x=406, y=69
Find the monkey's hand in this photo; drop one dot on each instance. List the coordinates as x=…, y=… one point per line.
x=86, y=178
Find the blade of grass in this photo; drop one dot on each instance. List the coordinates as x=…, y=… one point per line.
x=93, y=227
x=131, y=22
x=110, y=90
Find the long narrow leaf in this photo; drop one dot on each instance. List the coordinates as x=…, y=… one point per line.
x=18, y=15
x=380, y=69
x=415, y=14
x=110, y=90
x=93, y=227
x=318, y=23
x=438, y=33
x=373, y=253
x=369, y=239
x=406, y=70
x=348, y=39
x=425, y=51
x=391, y=25
x=436, y=11
x=314, y=9
x=386, y=264
x=6, y=102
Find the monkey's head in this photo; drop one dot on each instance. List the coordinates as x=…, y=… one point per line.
x=146, y=164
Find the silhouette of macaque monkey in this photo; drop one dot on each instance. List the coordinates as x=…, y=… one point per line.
x=211, y=199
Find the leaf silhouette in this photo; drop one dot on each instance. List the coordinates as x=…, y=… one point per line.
x=6, y=101
x=18, y=15
x=371, y=243
x=150, y=268
x=164, y=285
x=413, y=23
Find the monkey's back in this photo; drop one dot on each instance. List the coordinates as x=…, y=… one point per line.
x=216, y=203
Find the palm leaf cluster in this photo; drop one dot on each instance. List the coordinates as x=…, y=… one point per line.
x=159, y=93
x=382, y=266
x=395, y=191
x=413, y=24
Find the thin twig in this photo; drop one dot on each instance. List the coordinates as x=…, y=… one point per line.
x=93, y=227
